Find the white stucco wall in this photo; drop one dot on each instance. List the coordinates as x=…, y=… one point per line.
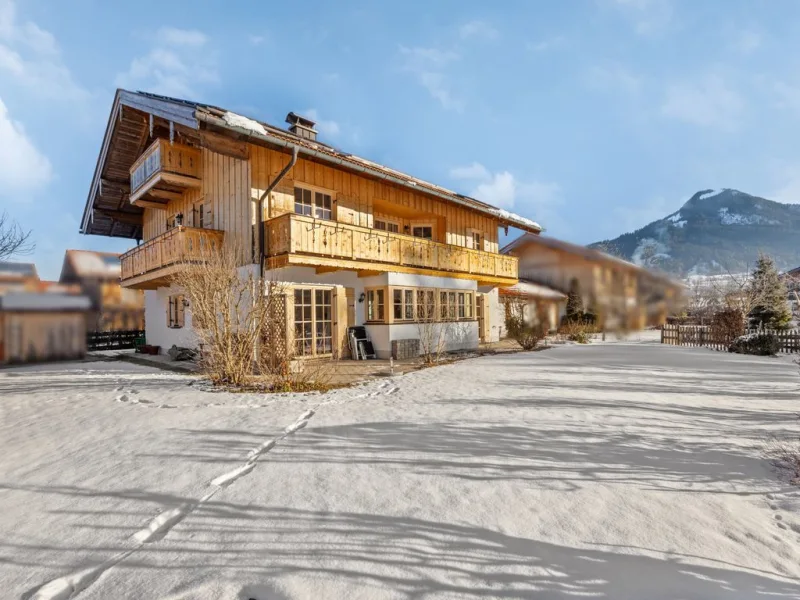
x=156, y=330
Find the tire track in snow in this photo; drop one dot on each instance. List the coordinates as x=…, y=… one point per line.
x=69, y=586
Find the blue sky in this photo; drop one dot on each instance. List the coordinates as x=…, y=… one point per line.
x=593, y=117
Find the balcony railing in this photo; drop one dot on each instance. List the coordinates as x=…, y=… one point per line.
x=162, y=171
x=292, y=234
x=179, y=244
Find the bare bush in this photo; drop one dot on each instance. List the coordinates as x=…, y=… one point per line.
x=784, y=455
x=727, y=325
x=523, y=329
x=239, y=318
x=433, y=331
x=577, y=331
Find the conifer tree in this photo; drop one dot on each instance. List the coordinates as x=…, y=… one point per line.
x=574, y=302
x=770, y=308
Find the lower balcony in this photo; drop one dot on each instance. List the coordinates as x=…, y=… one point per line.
x=150, y=265
x=329, y=246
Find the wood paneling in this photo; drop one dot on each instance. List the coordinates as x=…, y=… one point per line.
x=35, y=336
x=355, y=197
x=224, y=197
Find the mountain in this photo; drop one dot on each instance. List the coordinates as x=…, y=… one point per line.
x=715, y=231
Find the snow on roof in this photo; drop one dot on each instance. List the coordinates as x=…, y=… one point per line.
x=17, y=270
x=88, y=263
x=535, y=290
x=33, y=301
x=242, y=122
x=512, y=217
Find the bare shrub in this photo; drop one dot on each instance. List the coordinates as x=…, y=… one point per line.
x=577, y=331
x=727, y=325
x=762, y=343
x=239, y=318
x=433, y=332
x=521, y=328
x=784, y=455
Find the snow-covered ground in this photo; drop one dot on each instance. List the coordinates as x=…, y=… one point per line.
x=620, y=470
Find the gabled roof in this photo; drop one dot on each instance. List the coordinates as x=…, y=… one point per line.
x=17, y=270
x=107, y=213
x=87, y=263
x=529, y=289
x=517, y=246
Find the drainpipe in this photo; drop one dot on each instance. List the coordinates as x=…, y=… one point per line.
x=263, y=197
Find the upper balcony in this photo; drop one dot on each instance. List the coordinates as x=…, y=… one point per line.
x=163, y=172
x=293, y=239
x=150, y=265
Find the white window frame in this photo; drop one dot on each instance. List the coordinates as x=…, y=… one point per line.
x=431, y=224
x=471, y=233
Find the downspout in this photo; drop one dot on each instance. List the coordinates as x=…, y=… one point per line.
x=260, y=209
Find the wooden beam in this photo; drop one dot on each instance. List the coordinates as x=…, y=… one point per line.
x=120, y=216
x=368, y=273
x=328, y=269
x=224, y=145
x=125, y=186
x=166, y=194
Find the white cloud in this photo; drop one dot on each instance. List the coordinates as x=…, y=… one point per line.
x=326, y=128
x=479, y=29
x=474, y=171
x=648, y=17
x=709, y=102
x=503, y=189
x=172, y=36
x=428, y=66
x=22, y=167
x=31, y=56
x=176, y=65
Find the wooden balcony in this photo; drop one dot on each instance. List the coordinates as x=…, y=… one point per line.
x=328, y=245
x=163, y=172
x=150, y=265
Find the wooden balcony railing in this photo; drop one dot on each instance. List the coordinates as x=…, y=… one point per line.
x=179, y=244
x=166, y=168
x=292, y=234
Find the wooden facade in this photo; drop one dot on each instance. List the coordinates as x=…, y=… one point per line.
x=463, y=243
x=30, y=336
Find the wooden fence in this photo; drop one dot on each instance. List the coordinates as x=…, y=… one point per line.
x=112, y=340
x=705, y=336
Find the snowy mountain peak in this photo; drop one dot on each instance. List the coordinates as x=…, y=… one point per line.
x=714, y=230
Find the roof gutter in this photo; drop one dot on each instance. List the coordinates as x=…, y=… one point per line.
x=218, y=122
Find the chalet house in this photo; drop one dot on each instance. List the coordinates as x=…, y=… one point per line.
x=114, y=308
x=357, y=243
x=540, y=304
x=621, y=294
x=39, y=320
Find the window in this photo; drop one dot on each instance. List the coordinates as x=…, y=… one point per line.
x=403, y=304
x=312, y=204
x=313, y=321
x=447, y=304
x=475, y=239
x=175, y=312
x=199, y=215
x=423, y=231
x=387, y=225
x=375, y=305
x=426, y=305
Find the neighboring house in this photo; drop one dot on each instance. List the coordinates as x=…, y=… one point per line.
x=621, y=294
x=357, y=243
x=541, y=304
x=40, y=320
x=17, y=276
x=114, y=308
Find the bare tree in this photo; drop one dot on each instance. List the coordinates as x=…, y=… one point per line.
x=13, y=239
